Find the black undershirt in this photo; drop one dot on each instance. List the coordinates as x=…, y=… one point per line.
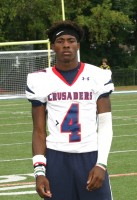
x=70, y=75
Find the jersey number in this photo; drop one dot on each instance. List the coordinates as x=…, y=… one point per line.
x=71, y=123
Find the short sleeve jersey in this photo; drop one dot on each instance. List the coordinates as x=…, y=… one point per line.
x=71, y=108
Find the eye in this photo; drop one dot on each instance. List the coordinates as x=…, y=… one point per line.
x=72, y=40
x=59, y=41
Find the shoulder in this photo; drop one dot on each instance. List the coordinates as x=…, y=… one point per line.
x=91, y=67
x=101, y=80
x=98, y=75
x=37, y=87
x=39, y=74
x=39, y=79
x=108, y=67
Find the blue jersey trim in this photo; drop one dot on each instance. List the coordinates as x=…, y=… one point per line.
x=29, y=90
x=36, y=102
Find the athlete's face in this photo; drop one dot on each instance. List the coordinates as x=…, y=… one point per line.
x=66, y=47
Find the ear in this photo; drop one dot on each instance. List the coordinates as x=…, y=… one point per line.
x=78, y=46
x=52, y=47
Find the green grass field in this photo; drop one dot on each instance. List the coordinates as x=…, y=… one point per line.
x=16, y=171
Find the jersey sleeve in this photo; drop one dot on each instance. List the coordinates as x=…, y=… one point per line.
x=104, y=83
x=34, y=89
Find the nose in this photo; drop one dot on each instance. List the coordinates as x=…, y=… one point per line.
x=66, y=43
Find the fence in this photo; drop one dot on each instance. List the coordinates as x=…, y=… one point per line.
x=124, y=77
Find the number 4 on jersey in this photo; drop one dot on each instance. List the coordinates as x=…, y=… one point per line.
x=71, y=124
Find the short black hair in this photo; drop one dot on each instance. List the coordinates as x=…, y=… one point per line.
x=67, y=24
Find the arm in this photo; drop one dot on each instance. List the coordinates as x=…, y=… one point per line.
x=39, y=130
x=39, y=146
x=97, y=174
x=105, y=131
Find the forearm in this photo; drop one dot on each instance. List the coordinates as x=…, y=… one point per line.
x=39, y=130
x=105, y=134
x=38, y=143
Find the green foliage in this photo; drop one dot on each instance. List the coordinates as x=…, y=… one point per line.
x=26, y=20
x=125, y=6
x=104, y=23
x=108, y=25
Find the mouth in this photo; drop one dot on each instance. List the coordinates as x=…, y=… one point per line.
x=66, y=52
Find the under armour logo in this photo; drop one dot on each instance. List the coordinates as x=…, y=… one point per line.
x=85, y=78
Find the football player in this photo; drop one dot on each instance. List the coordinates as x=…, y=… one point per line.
x=70, y=162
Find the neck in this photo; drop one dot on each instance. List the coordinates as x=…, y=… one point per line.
x=65, y=66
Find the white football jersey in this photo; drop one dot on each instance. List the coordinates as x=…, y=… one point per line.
x=71, y=108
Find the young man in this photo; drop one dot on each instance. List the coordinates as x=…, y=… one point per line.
x=70, y=161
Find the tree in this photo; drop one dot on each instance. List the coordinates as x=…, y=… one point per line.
x=107, y=26
x=110, y=25
x=26, y=20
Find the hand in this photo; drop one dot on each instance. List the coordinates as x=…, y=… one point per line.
x=95, y=178
x=42, y=187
